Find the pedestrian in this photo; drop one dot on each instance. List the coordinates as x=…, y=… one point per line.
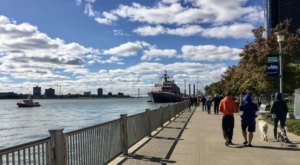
x=279, y=111
x=217, y=100
x=208, y=104
x=227, y=107
x=203, y=100
x=248, y=112
x=190, y=103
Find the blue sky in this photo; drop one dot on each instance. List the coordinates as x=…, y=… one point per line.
x=120, y=45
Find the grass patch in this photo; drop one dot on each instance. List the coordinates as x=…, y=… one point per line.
x=293, y=125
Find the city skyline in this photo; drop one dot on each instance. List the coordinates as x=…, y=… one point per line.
x=121, y=46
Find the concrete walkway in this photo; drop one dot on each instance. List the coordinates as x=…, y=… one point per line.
x=200, y=142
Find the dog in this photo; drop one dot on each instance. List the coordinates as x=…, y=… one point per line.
x=263, y=128
x=280, y=138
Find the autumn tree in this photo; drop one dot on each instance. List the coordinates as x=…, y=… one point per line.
x=250, y=73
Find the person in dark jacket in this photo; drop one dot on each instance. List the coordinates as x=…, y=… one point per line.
x=203, y=100
x=248, y=114
x=279, y=111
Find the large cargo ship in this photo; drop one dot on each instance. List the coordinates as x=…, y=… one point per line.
x=165, y=91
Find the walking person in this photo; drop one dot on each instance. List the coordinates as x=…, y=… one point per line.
x=217, y=100
x=203, y=100
x=248, y=114
x=227, y=107
x=208, y=104
x=279, y=111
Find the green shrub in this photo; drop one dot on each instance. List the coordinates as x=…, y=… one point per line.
x=293, y=126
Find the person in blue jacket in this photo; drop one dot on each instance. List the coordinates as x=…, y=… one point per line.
x=248, y=114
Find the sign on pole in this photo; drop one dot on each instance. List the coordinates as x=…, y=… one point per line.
x=272, y=65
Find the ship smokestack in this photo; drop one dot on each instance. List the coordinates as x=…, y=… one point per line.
x=194, y=89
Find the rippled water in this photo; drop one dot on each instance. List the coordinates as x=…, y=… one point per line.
x=21, y=125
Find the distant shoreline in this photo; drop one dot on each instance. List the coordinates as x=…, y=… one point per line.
x=41, y=98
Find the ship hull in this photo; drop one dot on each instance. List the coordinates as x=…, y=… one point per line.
x=164, y=97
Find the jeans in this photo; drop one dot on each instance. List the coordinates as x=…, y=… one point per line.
x=282, y=125
x=216, y=109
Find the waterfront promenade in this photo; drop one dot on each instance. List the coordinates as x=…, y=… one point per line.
x=196, y=139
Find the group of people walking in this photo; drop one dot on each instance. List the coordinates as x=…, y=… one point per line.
x=249, y=110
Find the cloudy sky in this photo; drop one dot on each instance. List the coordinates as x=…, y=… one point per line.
x=120, y=45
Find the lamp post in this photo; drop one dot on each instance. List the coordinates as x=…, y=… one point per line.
x=280, y=38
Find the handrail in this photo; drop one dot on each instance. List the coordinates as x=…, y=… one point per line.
x=23, y=146
x=95, y=144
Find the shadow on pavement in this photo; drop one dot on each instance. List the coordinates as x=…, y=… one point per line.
x=284, y=148
x=152, y=159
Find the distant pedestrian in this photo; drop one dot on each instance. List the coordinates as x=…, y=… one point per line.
x=203, y=100
x=217, y=100
x=208, y=104
x=190, y=103
x=228, y=107
x=279, y=111
x=248, y=114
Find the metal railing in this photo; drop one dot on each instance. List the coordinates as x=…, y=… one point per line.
x=93, y=145
x=36, y=152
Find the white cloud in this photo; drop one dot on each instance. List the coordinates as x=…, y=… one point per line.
x=28, y=53
x=103, y=21
x=170, y=12
x=5, y=79
x=158, y=53
x=236, y=30
x=169, y=1
x=89, y=10
x=150, y=30
x=186, y=30
x=210, y=53
x=125, y=50
x=118, y=32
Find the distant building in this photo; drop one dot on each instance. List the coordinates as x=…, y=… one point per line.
x=100, y=92
x=37, y=91
x=109, y=94
x=87, y=93
x=276, y=11
x=120, y=94
x=8, y=95
x=50, y=92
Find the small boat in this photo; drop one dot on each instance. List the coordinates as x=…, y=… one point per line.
x=28, y=103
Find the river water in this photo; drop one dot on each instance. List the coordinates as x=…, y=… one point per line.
x=21, y=125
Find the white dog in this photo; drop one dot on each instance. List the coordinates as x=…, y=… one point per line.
x=263, y=128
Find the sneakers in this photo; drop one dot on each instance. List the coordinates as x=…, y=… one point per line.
x=227, y=142
x=275, y=139
x=245, y=143
x=250, y=145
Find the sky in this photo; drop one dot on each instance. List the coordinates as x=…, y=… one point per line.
x=120, y=45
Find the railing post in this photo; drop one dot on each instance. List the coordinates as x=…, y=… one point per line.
x=170, y=111
x=124, y=134
x=161, y=117
x=148, y=121
x=57, y=147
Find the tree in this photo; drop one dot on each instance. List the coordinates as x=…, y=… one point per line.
x=250, y=73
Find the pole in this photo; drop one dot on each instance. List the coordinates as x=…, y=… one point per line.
x=280, y=71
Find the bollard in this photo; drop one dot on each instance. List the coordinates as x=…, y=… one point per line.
x=148, y=122
x=124, y=135
x=57, y=147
